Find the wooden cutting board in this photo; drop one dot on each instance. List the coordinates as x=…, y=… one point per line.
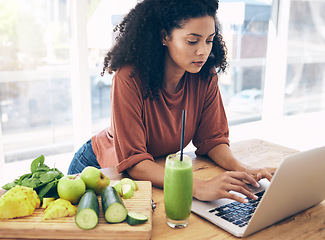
x=33, y=227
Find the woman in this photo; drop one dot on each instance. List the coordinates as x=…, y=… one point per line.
x=166, y=59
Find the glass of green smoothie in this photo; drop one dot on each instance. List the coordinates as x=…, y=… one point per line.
x=178, y=190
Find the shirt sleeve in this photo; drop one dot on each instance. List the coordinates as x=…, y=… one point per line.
x=213, y=126
x=128, y=127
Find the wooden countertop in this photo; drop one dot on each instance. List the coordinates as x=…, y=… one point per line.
x=309, y=224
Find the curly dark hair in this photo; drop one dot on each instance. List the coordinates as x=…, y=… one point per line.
x=139, y=40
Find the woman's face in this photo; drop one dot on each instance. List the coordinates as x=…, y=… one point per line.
x=189, y=47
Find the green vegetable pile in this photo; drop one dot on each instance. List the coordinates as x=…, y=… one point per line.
x=42, y=179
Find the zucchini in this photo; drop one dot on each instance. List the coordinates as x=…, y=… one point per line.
x=88, y=210
x=134, y=218
x=113, y=207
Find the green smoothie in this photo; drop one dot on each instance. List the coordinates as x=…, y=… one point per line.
x=178, y=187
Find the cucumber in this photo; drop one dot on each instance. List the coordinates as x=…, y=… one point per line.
x=113, y=207
x=88, y=210
x=134, y=218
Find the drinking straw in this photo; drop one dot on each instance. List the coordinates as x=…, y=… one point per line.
x=182, y=136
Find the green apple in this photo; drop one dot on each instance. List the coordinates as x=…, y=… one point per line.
x=127, y=191
x=118, y=187
x=94, y=179
x=130, y=182
x=71, y=188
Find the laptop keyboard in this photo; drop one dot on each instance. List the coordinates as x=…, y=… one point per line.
x=238, y=213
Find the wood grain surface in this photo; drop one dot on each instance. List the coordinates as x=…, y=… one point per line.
x=33, y=227
x=309, y=224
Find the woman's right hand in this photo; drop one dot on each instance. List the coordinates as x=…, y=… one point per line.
x=221, y=185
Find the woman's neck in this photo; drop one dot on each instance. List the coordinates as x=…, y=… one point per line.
x=173, y=77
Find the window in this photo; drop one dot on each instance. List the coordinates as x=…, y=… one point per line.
x=305, y=73
x=245, y=29
x=35, y=87
x=276, y=68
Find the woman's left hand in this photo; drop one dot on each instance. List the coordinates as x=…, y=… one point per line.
x=222, y=155
x=259, y=173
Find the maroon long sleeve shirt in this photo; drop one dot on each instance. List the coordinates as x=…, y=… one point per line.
x=143, y=129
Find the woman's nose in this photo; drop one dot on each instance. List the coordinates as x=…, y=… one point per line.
x=204, y=49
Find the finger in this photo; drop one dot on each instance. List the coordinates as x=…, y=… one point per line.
x=246, y=177
x=238, y=178
x=271, y=170
x=267, y=175
x=239, y=183
x=256, y=177
x=237, y=198
x=244, y=191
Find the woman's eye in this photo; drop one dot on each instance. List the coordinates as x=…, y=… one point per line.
x=191, y=42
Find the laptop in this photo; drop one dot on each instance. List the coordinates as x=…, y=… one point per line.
x=299, y=183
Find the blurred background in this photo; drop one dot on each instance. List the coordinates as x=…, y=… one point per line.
x=53, y=99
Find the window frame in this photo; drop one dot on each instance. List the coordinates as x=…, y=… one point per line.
x=273, y=85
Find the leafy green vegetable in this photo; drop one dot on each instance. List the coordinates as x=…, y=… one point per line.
x=42, y=179
x=30, y=182
x=48, y=176
x=37, y=162
x=9, y=185
x=44, y=189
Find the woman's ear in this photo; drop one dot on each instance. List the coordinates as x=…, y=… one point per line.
x=163, y=37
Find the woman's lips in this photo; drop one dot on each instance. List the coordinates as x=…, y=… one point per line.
x=199, y=63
